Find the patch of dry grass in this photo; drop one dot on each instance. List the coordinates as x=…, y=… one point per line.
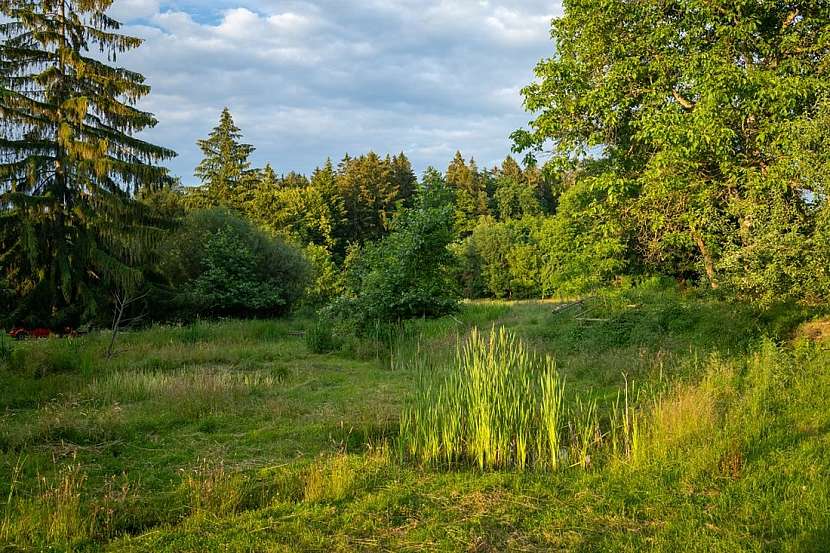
x=816, y=331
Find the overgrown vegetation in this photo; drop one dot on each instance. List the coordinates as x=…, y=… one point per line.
x=404, y=276
x=678, y=435
x=500, y=407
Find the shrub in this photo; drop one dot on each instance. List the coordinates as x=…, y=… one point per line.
x=218, y=264
x=584, y=249
x=325, y=283
x=406, y=275
x=502, y=260
x=785, y=258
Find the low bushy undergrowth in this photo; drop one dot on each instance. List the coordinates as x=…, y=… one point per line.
x=217, y=264
x=406, y=275
x=658, y=314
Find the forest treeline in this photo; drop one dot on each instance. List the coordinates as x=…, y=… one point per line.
x=685, y=139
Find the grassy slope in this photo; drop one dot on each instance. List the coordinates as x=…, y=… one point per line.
x=233, y=437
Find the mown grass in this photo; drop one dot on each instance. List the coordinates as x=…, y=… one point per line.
x=708, y=431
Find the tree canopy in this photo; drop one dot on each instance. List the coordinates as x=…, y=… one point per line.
x=700, y=110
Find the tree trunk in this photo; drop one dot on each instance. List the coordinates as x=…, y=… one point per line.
x=708, y=262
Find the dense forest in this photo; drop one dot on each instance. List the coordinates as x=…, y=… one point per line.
x=685, y=142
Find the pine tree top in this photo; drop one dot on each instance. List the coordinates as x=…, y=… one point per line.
x=61, y=106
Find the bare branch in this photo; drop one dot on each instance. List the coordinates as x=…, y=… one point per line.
x=791, y=18
x=122, y=301
x=687, y=104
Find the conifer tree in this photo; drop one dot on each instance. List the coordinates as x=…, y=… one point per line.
x=369, y=194
x=324, y=181
x=69, y=162
x=294, y=179
x=403, y=178
x=225, y=169
x=268, y=177
x=470, y=194
x=514, y=197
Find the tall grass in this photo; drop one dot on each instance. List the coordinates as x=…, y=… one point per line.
x=501, y=406
x=319, y=338
x=6, y=526
x=54, y=515
x=6, y=348
x=52, y=356
x=186, y=387
x=625, y=426
x=210, y=489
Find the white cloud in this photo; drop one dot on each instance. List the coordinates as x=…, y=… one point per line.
x=308, y=79
x=134, y=9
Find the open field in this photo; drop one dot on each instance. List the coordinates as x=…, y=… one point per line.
x=232, y=436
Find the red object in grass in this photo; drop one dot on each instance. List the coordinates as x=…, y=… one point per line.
x=19, y=333
x=23, y=333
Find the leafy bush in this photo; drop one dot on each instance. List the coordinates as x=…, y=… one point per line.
x=219, y=264
x=502, y=260
x=786, y=258
x=584, y=248
x=325, y=283
x=406, y=275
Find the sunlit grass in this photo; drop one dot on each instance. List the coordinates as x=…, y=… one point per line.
x=664, y=428
x=499, y=406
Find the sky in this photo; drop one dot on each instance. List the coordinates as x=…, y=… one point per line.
x=311, y=79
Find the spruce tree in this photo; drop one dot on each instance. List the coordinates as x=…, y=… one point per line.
x=268, y=178
x=70, y=165
x=470, y=193
x=324, y=181
x=403, y=178
x=369, y=194
x=514, y=196
x=225, y=169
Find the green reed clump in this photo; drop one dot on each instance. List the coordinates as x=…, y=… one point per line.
x=6, y=348
x=319, y=338
x=499, y=407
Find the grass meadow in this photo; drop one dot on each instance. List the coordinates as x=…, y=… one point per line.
x=645, y=419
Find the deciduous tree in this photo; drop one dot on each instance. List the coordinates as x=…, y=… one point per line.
x=691, y=102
